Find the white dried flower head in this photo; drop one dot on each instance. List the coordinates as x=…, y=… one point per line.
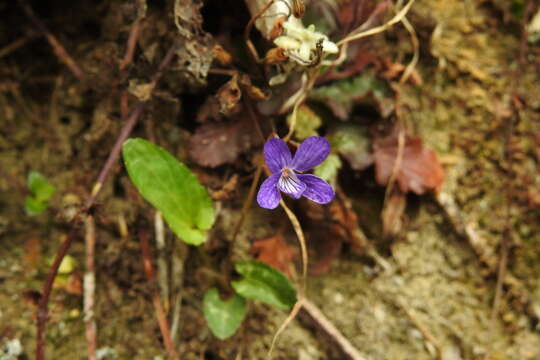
x=304, y=45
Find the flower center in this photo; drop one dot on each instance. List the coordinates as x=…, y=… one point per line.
x=286, y=173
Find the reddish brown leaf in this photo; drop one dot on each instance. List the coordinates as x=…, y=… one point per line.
x=275, y=252
x=420, y=170
x=217, y=143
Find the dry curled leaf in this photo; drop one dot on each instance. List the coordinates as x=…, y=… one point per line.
x=227, y=191
x=221, y=55
x=195, y=51
x=420, y=170
x=228, y=96
x=275, y=252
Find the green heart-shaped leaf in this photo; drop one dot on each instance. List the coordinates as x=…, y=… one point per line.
x=171, y=187
x=264, y=283
x=223, y=316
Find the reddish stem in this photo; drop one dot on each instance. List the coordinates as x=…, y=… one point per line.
x=158, y=307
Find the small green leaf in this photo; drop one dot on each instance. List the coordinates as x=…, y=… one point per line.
x=41, y=191
x=223, y=316
x=34, y=207
x=264, y=283
x=40, y=186
x=329, y=168
x=307, y=122
x=171, y=187
x=342, y=95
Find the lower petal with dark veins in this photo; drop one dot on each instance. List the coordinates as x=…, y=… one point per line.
x=291, y=185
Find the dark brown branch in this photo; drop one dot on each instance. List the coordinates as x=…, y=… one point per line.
x=42, y=312
x=58, y=49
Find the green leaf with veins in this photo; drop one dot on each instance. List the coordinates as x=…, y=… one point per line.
x=223, y=316
x=341, y=95
x=263, y=283
x=171, y=187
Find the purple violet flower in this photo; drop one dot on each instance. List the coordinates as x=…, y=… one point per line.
x=285, y=171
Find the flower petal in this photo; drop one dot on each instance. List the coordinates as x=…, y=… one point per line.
x=291, y=185
x=317, y=189
x=311, y=153
x=269, y=196
x=277, y=155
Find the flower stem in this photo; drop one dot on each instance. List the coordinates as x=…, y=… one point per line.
x=301, y=296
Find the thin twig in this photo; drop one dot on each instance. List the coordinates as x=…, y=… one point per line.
x=131, y=44
x=6, y=50
x=330, y=329
x=158, y=306
x=42, y=311
x=416, y=48
x=159, y=229
x=426, y=333
x=58, y=49
x=397, y=18
x=179, y=255
x=507, y=160
x=90, y=287
x=247, y=31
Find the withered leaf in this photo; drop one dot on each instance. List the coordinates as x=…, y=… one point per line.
x=221, y=55
x=420, y=170
x=228, y=96
x=217, y=143
x=275, y=252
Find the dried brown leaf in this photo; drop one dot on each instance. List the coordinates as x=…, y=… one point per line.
x=275, y=252
x=221, y=55
x=228, y=96
x=217, y=143
x=420, y=170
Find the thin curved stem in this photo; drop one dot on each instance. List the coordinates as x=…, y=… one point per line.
x=416, y=48
x=378, y=29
